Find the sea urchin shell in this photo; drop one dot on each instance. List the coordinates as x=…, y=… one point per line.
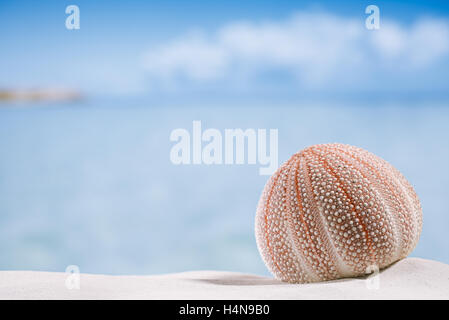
x=333, y=211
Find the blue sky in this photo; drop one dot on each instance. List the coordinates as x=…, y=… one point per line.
x=121, y=47
x=103, y=163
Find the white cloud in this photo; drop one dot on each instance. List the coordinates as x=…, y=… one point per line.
x=192, y=56
x=314, y=47
x=416, y=46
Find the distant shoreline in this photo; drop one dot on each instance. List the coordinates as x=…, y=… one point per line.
x=37, y=95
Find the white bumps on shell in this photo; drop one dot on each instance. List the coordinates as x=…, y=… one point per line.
x=334, y=211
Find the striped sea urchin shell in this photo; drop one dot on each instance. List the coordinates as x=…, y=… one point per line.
x=334, y=211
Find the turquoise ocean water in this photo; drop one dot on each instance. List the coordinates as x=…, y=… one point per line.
x=91, y=184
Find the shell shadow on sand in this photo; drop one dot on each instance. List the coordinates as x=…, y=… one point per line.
x=241, y=280
x=251, y=280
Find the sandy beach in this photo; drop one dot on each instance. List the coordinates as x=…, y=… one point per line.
x=412, y=278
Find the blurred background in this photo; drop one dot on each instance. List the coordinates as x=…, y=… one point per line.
x=86, y=114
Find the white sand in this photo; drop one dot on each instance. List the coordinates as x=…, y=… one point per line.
x=411, y=278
